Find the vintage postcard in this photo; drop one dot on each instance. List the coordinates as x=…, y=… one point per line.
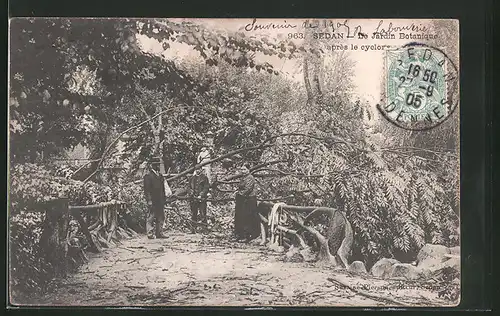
x=234, y=162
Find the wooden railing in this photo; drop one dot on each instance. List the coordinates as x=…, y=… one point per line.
x=54, y=238
x=99, y=223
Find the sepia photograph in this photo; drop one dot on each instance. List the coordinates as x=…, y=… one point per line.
x=233, y=162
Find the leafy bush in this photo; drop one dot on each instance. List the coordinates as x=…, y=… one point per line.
x=31, y=185
x=28, y=273
x=395, y=212
x=135, y=215
x=397, y=198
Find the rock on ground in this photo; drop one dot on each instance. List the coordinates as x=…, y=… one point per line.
x=383, y=267
x=275, y=247
x=406, y=271
x=431, y=255
x=445, y=270
x=308, y=255
x=293, y=255
x=357, y=267
x=435, y=259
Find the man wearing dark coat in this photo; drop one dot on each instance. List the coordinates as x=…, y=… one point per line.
x=246, y=221
x=154, y=190
x=199, y=187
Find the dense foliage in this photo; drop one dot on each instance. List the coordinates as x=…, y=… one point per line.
x=30, y=186
x=91, y=83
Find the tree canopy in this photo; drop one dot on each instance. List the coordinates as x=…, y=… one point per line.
x=80, y=81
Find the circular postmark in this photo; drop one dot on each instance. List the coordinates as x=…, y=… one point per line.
x=421, y=87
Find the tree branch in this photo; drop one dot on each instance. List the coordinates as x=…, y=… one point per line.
x=300, y=209
x=151, y=124
x=283, y=173
x=187, y=198
x=252, y=170
x=278, y=199
x=262, y=145
x=287, y=230
x=334, y=138
x=108, y=148
x=321, y=239
x=226, y=182
x=229, y=154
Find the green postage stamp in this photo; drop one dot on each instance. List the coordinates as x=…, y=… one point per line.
x=421, y=86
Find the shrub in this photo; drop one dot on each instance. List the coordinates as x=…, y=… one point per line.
x=32, y=184
x=135, y=215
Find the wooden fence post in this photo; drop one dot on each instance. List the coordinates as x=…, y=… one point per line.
x=53, y=240
x=85, y=229
x=103, y=231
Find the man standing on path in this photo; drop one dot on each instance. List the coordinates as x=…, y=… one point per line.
x=154, y=190
x=199, y=186
x=246, y=222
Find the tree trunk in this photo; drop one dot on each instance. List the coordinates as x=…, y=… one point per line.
x=298, y=209
x=159, y=140
x=97, y=152
x=324, y=248
x=332, y=235
x=307, y=83
x=317, y=79
x=312, y=69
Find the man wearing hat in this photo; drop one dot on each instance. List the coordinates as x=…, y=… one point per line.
x=154, y=190
x=199, y=187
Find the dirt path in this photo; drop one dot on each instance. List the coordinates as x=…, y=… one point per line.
x=209, y=270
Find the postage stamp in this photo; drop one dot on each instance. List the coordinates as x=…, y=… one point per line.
x=422, y=86
x=234, y=162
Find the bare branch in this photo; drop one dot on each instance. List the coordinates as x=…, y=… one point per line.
x=321, y=239
x=284, y=173
x=108, y=148
x=229, y=154
x=253, y=169
x=151, y=124
x=299, y=209
x=263, y=145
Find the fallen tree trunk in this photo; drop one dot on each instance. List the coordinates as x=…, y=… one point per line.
x=336, y=245
x=300, y=209
x=86, y=232
x=324, y=247
x=288, y=231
